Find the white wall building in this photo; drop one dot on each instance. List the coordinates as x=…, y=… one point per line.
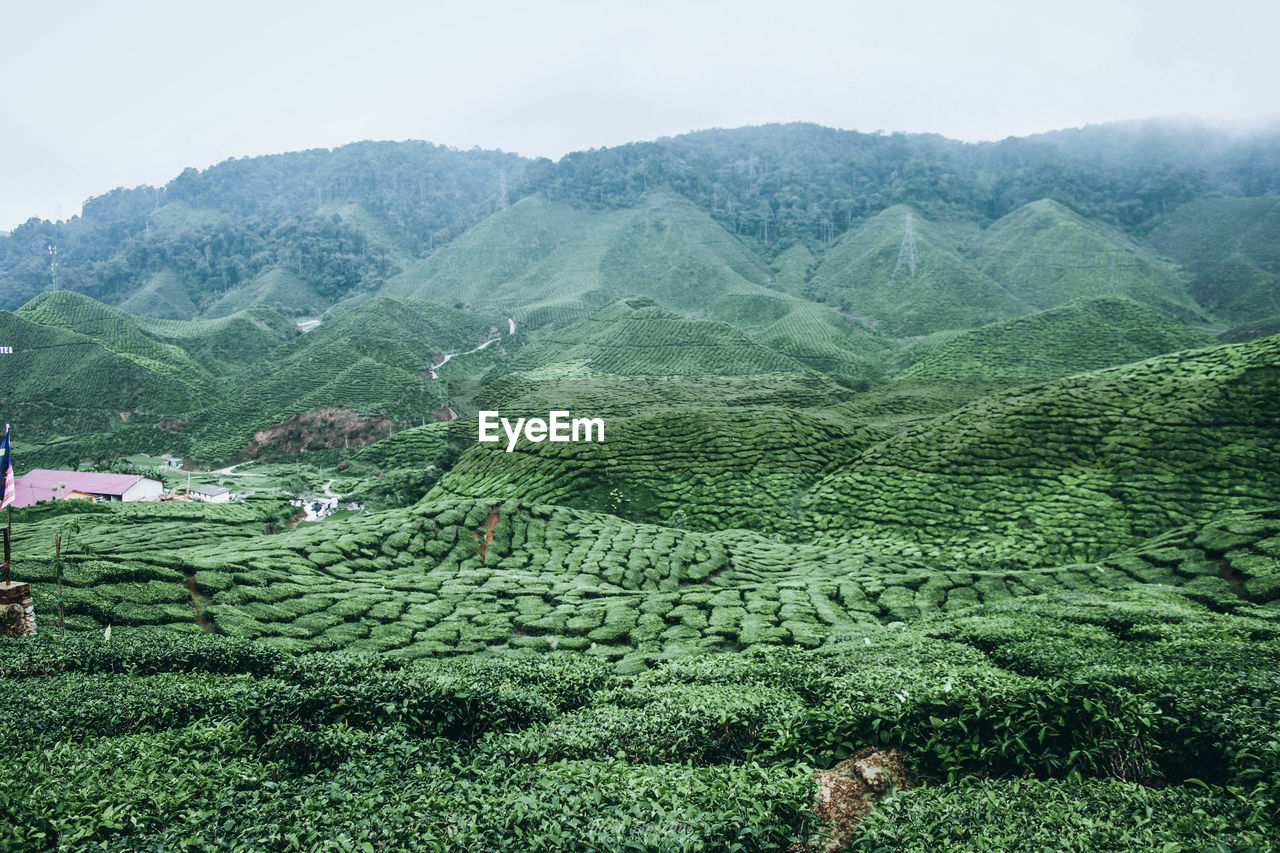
x=211, y=494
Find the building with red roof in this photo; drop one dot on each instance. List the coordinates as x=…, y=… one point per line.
x=43, y=484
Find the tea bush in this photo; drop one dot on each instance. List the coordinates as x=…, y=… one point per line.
x=1100, y=816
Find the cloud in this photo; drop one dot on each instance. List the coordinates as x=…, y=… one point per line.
x=104, y=96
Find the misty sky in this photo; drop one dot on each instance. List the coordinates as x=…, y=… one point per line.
x=99, y=95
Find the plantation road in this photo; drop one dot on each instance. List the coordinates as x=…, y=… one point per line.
x=434, y=370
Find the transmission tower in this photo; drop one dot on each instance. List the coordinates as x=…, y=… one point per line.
x=907, y=253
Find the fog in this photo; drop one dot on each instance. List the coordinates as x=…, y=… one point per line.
x=97, y=97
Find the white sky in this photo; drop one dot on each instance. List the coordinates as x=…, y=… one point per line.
x=99, y=95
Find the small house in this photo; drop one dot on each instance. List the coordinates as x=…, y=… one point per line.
x=211, y=494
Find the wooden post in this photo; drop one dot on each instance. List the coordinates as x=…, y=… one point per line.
x=57, y=561
x=8, y=536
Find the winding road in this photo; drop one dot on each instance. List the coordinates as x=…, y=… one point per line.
x=511, y=330
x=445, y=361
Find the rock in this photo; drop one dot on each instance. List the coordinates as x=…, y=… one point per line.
x=848, y=791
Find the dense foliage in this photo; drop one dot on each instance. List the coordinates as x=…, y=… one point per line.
x=936, y=506
x=214, y=743
x=780, y=183
x=342, y=220
x=221, y=228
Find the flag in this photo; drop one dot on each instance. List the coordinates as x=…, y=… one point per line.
x=6, y=463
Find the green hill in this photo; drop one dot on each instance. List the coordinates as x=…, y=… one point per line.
x=278, y=289
x=416, y=447
x=904, y=275
x=326, y=226
x=704, y=468
x=79, y=366
x=828, y=342
x=373, y=361
x=637, y=337
x=1072, y=338
x=296, y=232
x=1047, y=255
x=548, y=263
x=634, y=357
x=545, y=262
x=229, y=345
x=118, y=332
x=84, y=375
x=162, y=295
x=1252, y=330
x=58, y=382
x=792, y=268
x=1231, y=246
x=700, y=422
x=1071, y=469
x=400, y=469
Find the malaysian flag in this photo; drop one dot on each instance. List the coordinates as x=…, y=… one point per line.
x=6, y=462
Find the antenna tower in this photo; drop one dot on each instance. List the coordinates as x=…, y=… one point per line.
x=907, y=254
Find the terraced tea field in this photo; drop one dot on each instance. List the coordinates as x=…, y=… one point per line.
x=929, y=514
x=599, y=683
x=908, y=276
x=1053, y=256
x=1229, y=246
x=1076, y=337
x=709, y=469
x=452, y=577
x=1006, y=477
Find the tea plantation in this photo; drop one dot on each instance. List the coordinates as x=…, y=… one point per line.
x=1052, y=610
x=1118, y=715
x=937, y=507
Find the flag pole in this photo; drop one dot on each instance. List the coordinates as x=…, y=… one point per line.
x=8, y=530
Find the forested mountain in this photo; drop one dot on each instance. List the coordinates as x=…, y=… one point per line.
x=806, y=182
x=334, y=220
x=298, y=232
x=1231, y=247
x=847, y=256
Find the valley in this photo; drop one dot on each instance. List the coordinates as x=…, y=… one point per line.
x=976, y=477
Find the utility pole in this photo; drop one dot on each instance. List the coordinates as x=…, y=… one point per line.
x=53, y=267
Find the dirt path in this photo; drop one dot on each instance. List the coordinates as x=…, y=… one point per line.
x=511, y=326
x=483, y=541
x=434, y=370
x=197, y=601
x=451, y=355
x=230, y=471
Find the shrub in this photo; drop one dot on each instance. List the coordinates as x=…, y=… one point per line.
x=134, y=651
x=1101, y=816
